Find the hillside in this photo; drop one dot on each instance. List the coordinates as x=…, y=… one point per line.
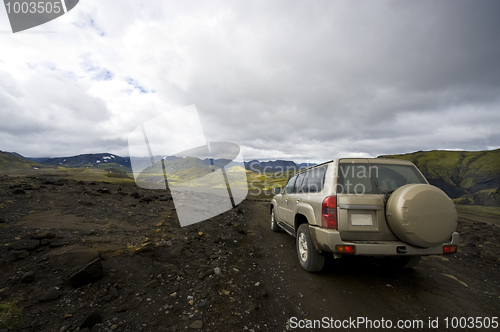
x=470, y=177
x=95, y=159
x=11, y=161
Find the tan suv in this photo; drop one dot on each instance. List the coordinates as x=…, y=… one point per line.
x=369, y=207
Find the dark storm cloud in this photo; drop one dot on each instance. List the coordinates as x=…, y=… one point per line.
x=361, y=72
x=283, y=79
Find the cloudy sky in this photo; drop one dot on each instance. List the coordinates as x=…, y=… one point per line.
x=297, y=80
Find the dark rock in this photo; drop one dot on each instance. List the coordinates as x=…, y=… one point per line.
x=44, y=235
x=203, y=304
x=171, y=267
x=146, y=247
x=107, y=298
x=19, y=254
x=262, y=293
x=50, y=295
x=75, y=257
x=152, y=284
x=113, y=292
x=45, y=242
x=94, y=318
x=103, y=191
x=90, y=273
x=18, y=192
x=166, y=198
x=29, y=245
x=28, y=277
x=176, y=252
x=197, y=324
x=250, y=305
x=135, y=195
x=57, y=244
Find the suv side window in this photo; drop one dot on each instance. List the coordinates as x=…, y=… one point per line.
x=289, y=185
x=299, y=184
x=315, y=180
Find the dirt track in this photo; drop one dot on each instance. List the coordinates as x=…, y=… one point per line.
x=461, y=285
x=229, y=273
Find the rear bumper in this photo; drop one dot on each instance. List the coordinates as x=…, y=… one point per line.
x=327, y=239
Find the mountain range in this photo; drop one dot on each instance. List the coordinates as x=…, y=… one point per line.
x=469, y=177
x=100, y=159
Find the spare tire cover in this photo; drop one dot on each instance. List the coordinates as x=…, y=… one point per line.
x=421, y=215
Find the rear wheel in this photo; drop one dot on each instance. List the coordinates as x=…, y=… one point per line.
x=309, y=258
x=274, y=225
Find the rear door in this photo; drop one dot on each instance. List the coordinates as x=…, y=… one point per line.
x=363, y=187
x=360, y=206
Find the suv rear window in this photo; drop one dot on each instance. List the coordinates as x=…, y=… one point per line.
x=375, y=178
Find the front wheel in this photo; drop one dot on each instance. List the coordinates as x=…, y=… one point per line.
x=309, y=258
x=274, y=225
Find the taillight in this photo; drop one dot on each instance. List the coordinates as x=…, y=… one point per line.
x=329, y=212
x=345, y=249
x=449, y=249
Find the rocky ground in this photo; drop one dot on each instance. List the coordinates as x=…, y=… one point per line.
x=97, y=256
x=78, y=255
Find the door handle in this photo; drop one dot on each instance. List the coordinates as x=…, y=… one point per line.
x=298, y=200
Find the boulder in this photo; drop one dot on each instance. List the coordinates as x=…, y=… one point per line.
x=88, y=274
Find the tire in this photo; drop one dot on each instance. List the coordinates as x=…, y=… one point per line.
x=421, y=215
x=274, y=225
x=309, y=258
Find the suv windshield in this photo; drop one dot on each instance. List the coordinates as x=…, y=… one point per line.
x=375, y=178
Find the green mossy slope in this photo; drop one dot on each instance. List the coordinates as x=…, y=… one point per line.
x=472, y=177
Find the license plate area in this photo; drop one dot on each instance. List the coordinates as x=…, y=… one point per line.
x=361, y=219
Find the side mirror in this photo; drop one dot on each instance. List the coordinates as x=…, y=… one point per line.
x=277, y=190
